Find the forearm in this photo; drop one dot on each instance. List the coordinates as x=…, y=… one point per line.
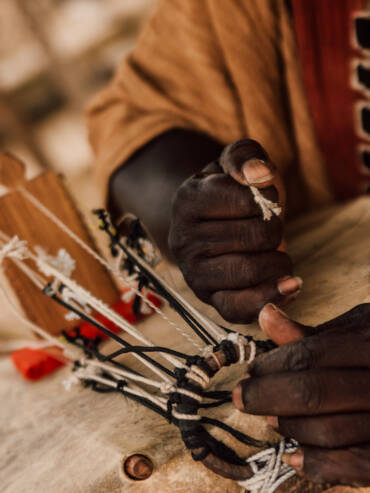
x=145, y=184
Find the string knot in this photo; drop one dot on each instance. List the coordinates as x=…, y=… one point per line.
x=15, y=248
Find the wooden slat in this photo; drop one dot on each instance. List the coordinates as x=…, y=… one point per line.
x=20, y=217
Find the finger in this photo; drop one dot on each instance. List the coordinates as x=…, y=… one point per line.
x=344, y=466
x=212, y=238
x=238, y=271
x=328, y=431
x=217, y=196
x=248, y=163
x=243, y=306
x=357, y=317
x=305, y=393
x=279, y=327
x=331, y=349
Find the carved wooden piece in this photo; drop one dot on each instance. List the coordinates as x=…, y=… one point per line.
x=20, y=217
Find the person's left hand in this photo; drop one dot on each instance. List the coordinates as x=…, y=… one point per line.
x=316, y=389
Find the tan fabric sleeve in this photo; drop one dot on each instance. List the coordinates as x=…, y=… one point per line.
x=227, y=68
x=175, y=77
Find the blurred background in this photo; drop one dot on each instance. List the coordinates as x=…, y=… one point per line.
x=54, y=55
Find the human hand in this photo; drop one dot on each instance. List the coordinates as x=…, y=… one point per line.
x=227, y=253
x=316, y=389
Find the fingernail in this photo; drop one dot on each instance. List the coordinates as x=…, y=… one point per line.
x=238, y=395
x=273, y=421
x=289, y=285
x=256, y=171
x=264, y=312
x=295, y=460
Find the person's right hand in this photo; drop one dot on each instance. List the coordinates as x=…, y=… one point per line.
x=227, y=253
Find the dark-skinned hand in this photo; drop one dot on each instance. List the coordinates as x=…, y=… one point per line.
x=227, y=253
x=316, y=388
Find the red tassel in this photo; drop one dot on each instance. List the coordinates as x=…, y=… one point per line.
x=123, y=308
x=35, y=363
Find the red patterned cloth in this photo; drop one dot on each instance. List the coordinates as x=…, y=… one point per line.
x=332, y=48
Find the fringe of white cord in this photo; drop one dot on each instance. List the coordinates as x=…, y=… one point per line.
x=15, y=248
x=269, y=471
x=268, y=207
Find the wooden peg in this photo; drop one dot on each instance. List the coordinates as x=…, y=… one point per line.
x=138, y=467
x=12, y=171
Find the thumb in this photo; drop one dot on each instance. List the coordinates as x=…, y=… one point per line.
x=249, y=164
x=279, y=327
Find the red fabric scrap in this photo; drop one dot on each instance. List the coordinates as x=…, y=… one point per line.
x=35, y=363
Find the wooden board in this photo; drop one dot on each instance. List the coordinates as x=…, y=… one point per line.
x=20, y=217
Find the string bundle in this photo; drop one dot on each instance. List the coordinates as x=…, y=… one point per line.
x=180, y=381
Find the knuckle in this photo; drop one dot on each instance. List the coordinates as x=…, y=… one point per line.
x=299, y=357
x=185, y=197
x=195, y=280
x=265, y=235
x=221, y=301
x=183, y=244
x=327, y=437
x=226, y=304
x=208, y=248
x=309, y=391
x=241, y=234
x=251, y=271
x=177, y=239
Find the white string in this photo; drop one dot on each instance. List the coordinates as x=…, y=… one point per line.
x=104, y=309
x=269, y=471
x=147, y=363
x=70, y=351
x=61, y=261
x=216, y=331
x=87, y=373
x=164, y=387
x=101, y=260
x=14, y=248
x=40, y=282
x=268, y=207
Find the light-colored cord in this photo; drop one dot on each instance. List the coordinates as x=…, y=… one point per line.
x=269, y=471
x=63, y=227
